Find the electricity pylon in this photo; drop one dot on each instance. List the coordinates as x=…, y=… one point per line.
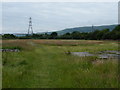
x=30, y=29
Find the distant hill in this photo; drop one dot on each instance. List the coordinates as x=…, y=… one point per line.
x=85, y=29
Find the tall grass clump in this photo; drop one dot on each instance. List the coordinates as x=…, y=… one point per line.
x=44, y=64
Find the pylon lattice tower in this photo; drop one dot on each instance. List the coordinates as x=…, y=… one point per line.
x=30, y=29
x=92, y=28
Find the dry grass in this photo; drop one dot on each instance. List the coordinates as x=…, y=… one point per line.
x=44, y=64
x=67, y=42
x=21, y=44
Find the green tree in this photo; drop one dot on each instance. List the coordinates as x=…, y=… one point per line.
x=8, y=36
x=116, y=33
x=75, y=35
x=53, y=35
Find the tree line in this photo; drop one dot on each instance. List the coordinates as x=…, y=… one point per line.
x=105, y=34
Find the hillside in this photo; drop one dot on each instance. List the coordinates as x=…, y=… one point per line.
x=85, y=29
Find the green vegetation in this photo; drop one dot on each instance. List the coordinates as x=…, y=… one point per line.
x=86, y=29
x=45, y=64
x=104, y=34
x=8, y=36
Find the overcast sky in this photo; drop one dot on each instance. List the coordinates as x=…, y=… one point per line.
x=56, y=16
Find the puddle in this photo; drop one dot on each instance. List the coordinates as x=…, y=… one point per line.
x=106, y=56
x=82, y=53
x=110, y=52
x=101, y=55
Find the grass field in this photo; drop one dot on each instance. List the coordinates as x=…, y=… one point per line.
x=45, y=64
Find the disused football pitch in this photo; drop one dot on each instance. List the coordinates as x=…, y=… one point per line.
x=47, y=64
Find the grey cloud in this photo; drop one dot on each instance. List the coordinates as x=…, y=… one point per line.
x=57, y=16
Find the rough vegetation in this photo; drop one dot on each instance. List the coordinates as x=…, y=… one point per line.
x=45, y=64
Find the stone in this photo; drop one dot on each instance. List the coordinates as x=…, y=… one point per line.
x=9, y=50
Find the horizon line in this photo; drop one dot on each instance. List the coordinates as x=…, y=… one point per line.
x=60, y=30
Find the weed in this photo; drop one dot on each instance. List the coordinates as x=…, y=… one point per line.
x=44, y=64
x=22, y=63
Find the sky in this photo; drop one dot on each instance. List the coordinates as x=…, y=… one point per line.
x=54, y=16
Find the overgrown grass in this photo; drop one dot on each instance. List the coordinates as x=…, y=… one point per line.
x=41, y=65
x=17, y=44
